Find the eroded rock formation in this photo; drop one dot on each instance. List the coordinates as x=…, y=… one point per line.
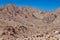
x=25, y=23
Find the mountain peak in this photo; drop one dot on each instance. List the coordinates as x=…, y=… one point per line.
x=10, y=5
x=58, y=10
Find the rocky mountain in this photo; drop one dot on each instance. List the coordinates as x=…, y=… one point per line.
x=26, y=23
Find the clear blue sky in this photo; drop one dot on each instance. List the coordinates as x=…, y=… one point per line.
x=40, y=4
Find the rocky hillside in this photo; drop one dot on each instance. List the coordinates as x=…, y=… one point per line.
x=26, y=23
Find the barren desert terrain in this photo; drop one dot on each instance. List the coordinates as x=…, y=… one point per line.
x=26, y=23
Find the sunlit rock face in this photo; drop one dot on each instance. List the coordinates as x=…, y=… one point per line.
x=27, y=23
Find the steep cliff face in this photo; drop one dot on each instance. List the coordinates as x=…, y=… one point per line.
x=26, y=23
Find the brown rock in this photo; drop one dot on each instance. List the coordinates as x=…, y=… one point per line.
x=26, y=23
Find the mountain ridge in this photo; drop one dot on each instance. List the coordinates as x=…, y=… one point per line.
x=23, y=23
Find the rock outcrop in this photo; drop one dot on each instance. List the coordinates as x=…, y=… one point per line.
x=26, y=23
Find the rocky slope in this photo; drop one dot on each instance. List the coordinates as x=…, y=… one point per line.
x=26, y=23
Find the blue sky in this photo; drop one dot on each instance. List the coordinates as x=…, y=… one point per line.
x=39, y=4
